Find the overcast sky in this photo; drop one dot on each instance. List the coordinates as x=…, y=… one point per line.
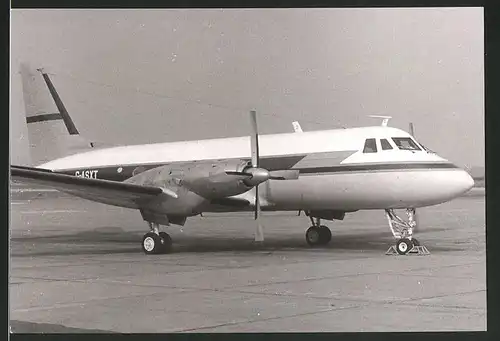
x=128, y=76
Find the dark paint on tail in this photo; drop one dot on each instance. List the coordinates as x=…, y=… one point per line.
x=60, y=106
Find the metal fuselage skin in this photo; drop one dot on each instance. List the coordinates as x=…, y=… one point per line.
x=335, y=173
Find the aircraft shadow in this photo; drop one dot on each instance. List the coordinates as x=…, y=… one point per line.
x=98, y=242
x=24, y=327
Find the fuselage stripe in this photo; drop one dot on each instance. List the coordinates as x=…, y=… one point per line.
x=376, y=167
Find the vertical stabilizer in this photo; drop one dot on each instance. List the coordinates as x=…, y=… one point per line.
x=51, y=131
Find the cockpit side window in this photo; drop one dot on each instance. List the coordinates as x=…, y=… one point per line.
x=385, y=144
x=405, y=143
x=370, y=146
x=427, y=149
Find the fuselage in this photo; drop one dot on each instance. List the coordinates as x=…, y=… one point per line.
x=343, y=169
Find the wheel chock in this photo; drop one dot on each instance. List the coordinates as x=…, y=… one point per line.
x=392, y=251
x=416, y=250
x=419, y=250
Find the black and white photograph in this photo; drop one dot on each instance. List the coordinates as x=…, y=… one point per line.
x=247, y=170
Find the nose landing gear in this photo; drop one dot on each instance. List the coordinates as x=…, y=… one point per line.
x=318, y=234
x=403, y=231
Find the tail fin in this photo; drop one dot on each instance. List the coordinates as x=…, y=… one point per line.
x=51, y=131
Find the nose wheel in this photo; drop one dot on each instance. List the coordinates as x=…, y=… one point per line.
x=403, y=246
x=403, y=231
x=318, y=234
x=155, y=242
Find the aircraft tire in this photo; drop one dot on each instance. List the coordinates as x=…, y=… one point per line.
x=326, y=234
x=151, y=243
x=167, y=243
x=313, y=236
x=403, y=246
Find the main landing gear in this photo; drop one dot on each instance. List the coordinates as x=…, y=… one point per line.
x=403, y=231
x=155, y=242
x=318, y=234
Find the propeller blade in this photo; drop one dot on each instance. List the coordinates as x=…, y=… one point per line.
x=411, y=131
x=254, y=147
x=254, y=139
x=257, y=204
x=259, y=234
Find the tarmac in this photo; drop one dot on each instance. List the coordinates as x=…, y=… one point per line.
x=78, y=267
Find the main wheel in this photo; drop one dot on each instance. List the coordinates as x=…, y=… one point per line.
x=167, y=242
x=403, y=246
x=151, y=243
x=313, y=236
x=325, y=234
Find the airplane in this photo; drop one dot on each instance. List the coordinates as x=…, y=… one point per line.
x=326, y=174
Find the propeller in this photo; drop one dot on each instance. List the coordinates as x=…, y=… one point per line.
x=254, y=147
x=254, y=175
x=260, y=175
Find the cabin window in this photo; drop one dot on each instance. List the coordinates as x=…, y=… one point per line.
x=405, y=143
x=385, y=144
x=370, y=146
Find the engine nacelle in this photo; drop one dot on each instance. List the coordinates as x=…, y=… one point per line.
x=209, y=179
x=218, y=179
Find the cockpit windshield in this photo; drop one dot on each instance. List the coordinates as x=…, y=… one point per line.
x=405, y=143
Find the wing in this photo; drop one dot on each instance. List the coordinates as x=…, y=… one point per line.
x=104, y=191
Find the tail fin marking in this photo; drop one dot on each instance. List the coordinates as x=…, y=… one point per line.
x=60, y=106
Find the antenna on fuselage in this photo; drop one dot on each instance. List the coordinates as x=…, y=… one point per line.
x=410, y=129
x=384, y=121
x=296, y=127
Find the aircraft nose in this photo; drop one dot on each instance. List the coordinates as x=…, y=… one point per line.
x=463, y=182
